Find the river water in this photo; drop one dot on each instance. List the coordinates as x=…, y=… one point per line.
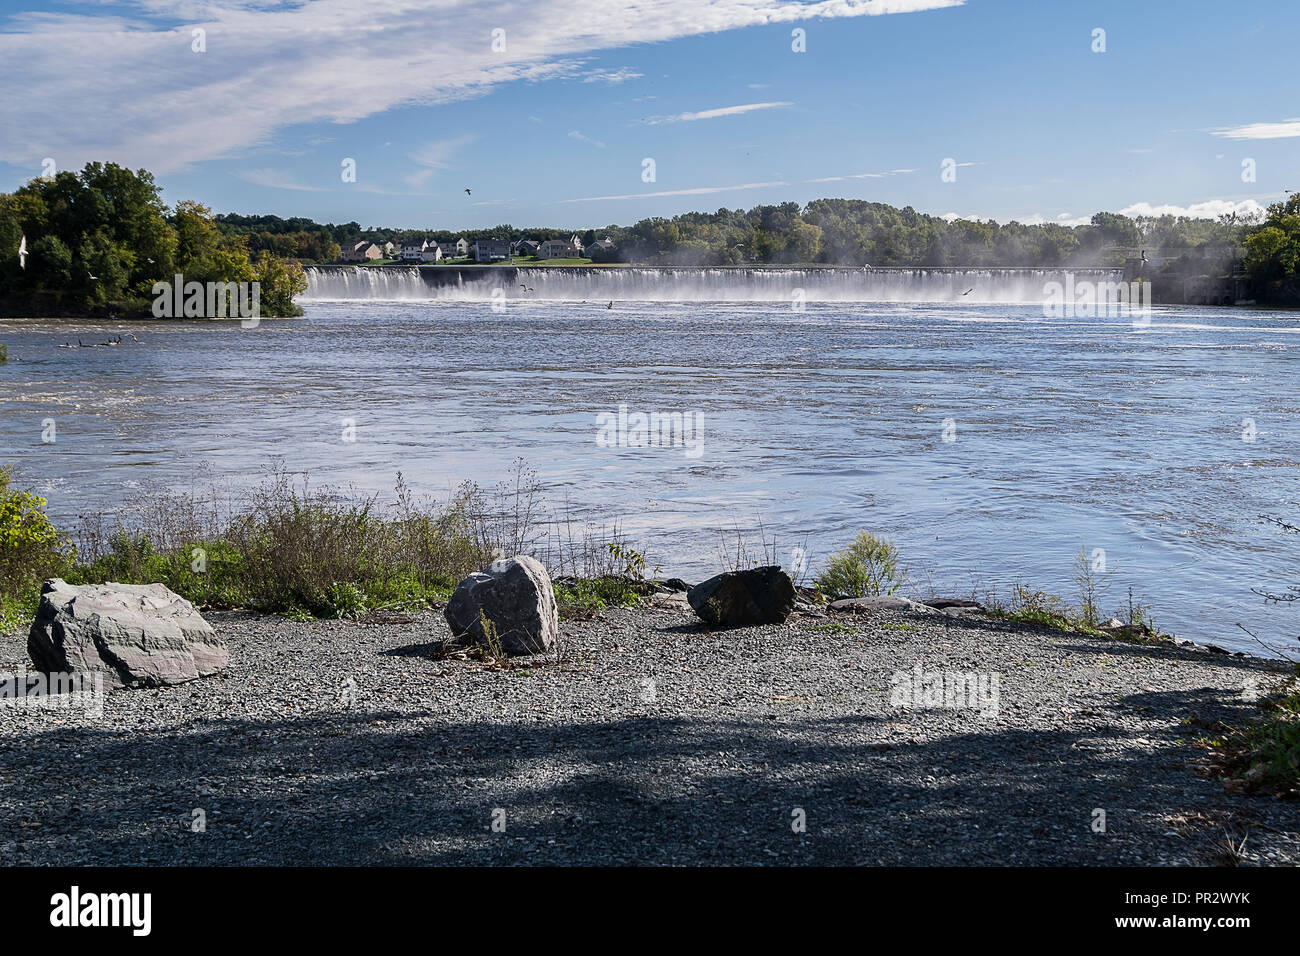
x=988, y=441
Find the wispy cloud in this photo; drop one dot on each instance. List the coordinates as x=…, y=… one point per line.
x=847, y=176
x=581, y=138
x=435, y=156
x=613, y=77
x=714, y=114
x=1283, y=130
x=277, y=179
x=126, y=85
x=697, y=191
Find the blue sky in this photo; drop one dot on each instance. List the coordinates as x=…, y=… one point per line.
x=553, y=129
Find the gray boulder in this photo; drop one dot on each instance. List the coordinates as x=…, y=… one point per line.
x=884, y=602
x=515, y=594
x=136, y=635
x=744, y=598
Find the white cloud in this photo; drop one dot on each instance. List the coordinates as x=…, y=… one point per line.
x=1060, y=219
x=613, y=77
x=1283, y=130
x=697, y=191
x=575, y=134
x=127, y=87
x=714, y=114
x=1210, y=209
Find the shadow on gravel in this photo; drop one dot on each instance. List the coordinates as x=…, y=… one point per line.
x=425, y=651
x=377, y=787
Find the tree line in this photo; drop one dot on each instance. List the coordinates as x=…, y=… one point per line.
x=850, y=232
x=101, y=238
x=98, y=241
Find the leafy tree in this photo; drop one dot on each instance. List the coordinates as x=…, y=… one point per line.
x=1273, y=250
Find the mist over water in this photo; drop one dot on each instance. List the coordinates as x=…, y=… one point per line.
x=1069, y=432
x=765, y=284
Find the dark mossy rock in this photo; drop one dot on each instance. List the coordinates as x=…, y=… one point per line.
x=744, y=598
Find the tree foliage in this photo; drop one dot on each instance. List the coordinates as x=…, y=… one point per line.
x=101, y=239
x=1273, y=250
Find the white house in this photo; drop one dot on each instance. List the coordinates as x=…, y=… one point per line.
x=576, y=243
x=432, y=253
x=554, y=249
x=413, y=249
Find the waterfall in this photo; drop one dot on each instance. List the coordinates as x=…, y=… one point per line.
x=757, y=284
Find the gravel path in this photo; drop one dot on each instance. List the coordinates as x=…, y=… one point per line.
x=347, y=743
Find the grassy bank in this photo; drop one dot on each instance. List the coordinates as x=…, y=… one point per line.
x=288, y=547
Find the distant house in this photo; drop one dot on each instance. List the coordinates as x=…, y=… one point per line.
x=491, y=250
x=604, y=245
x=555, y=249
x=433, y=252
x=389, y=248
x=452, y=248
x=413, y=250
x=363, y=251
x=525, y=247
x=576, y=243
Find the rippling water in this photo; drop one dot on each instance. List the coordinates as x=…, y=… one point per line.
x=1068, y=433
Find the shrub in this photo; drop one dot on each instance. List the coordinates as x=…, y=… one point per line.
x=31, y=550
x=866, y=568
x=1264, y=753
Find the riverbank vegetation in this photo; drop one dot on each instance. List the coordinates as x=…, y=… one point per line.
x=97, y=241
x=289, y=547
x=1273, y=251
x=1262, y=755
x=850, y=232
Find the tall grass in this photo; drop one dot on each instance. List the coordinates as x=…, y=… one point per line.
x=289, y=546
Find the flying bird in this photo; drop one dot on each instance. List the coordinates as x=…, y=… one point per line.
x=467, y=192
x=969, y=291
x=22, y=252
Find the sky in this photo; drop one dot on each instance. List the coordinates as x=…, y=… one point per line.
x=581, y=113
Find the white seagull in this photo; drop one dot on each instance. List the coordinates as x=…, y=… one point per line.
x=22, y=252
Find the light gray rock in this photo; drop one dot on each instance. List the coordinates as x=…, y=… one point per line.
x=515, y=594
x=885, y=602
x=136, y=635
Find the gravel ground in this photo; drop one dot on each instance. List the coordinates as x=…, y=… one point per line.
x=653, y=741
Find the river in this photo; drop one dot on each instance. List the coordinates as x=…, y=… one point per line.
x=989, y=441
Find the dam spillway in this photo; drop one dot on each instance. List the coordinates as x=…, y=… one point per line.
x=692, y=284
